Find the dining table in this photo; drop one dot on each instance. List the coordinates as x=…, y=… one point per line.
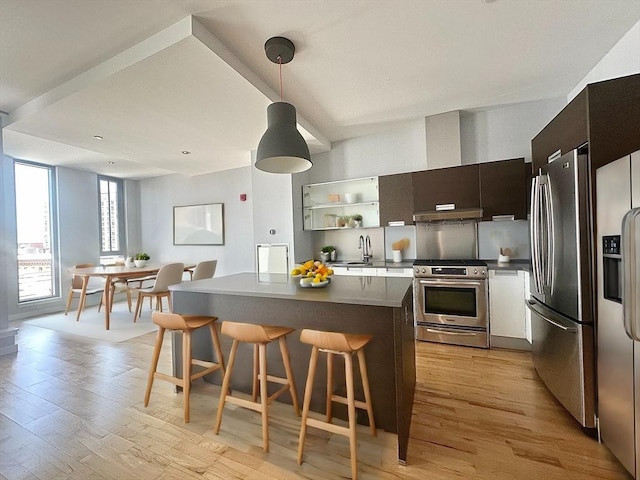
x=111, y=273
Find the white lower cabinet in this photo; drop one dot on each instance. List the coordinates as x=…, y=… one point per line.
x=394, y=272
x=507, y=311
x=374, y=271
x=354, y=271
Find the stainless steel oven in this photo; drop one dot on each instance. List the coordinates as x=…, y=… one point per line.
x=451, y=302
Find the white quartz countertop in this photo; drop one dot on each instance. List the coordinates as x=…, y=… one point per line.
x=356, y=290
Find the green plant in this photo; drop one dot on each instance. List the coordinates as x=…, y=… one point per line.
x=357, y=217
x=142, y=256
x=327, y=249
x=342, y=221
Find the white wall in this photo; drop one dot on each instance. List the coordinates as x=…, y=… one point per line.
x=272, y=198
x=402, y=149
x=443, y=140
x=79, y=240
x=159, y=195
x=504, y=133
x=622, y=60
x=132, y=215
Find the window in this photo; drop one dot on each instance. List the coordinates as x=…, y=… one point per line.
x=111, y=205
x=36, y=231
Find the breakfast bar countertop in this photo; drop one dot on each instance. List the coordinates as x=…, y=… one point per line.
x=364, y=290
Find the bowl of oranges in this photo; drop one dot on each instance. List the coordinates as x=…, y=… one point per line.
x=313, y=274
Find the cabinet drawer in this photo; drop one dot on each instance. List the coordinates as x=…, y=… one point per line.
x=394, y=272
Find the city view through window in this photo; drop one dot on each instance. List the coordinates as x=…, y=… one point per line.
x=34, y=233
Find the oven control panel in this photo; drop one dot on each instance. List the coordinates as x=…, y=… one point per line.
x=455, y=272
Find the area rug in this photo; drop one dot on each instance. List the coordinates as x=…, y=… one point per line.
x=91, y=324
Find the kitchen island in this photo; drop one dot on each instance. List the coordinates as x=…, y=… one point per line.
x=382, y=307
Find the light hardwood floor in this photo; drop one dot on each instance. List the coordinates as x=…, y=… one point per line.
x=72, y=408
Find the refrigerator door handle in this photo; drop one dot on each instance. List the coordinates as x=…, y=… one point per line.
x=532, y=306
x=631, y=272
x=535, y=234
x=549, y=227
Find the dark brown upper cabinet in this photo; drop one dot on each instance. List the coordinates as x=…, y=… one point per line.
x=606, y=115
x=457, y=185
x=396, y=198
x=503, y=188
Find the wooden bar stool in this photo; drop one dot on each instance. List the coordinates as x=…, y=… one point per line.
x=344, y=344
x=187, y=324
x=259, y=336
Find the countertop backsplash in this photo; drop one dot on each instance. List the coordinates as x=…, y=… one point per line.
x=394, y=234
x=512, y=234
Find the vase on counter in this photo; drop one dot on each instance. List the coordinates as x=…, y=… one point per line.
x=324, y=256
x=128, y=262
x=140, y=263
x=334, y=255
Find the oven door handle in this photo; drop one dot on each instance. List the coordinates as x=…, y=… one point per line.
x=449, y=332
x=453, y=283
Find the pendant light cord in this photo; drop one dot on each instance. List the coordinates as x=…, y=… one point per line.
x=280, y=64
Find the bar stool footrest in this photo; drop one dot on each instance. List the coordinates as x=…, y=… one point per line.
x=328, y=427
x=168, y=378
x=343, y=400
x=241, y=402
x=285, y=388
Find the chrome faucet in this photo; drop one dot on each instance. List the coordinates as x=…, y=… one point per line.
x=364, y=244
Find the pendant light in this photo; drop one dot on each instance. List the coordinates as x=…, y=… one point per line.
x=282, y=148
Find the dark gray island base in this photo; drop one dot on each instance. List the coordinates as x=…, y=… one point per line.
x=380, y=306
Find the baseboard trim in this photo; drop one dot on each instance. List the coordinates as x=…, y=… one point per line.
x=510, y=342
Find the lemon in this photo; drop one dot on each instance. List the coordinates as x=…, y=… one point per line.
x=316, y=280
x=296, y=271
x=309, y=274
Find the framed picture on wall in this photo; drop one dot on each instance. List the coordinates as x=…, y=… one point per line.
x=198, y=224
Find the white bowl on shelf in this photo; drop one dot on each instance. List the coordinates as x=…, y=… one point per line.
x=350, y=197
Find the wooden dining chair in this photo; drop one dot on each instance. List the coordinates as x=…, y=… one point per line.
x=204, y=269
x=169, y=274
x=76, y=289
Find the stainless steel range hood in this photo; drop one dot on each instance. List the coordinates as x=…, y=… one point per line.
x=448, y=214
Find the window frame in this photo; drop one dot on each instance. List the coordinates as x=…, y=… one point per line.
x=53, y=230
x=120, y=212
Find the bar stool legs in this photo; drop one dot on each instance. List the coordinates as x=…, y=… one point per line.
x=345, y=345
x=187, y=324
x=260, y=336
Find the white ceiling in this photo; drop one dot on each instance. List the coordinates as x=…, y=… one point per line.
x=153, y=81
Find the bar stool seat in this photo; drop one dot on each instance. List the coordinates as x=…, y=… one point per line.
x=187, y=324
x=260, y=336
x=344, y=344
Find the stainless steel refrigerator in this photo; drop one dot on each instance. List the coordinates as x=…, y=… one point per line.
x=618, y=325
x=562, y=279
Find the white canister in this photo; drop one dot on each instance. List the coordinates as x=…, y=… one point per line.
x=350, y=197
x=397, y=256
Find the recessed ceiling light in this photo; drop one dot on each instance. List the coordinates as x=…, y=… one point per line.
x=97, y=137
x=111, y=163
x=186, y=152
